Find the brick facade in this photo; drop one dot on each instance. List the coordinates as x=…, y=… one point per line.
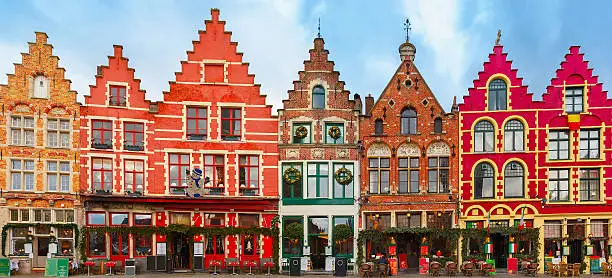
x=39, y=139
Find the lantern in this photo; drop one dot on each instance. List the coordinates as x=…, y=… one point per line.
x=609, y=249
x=566, y=250
x=512, y=248
x=488, y=248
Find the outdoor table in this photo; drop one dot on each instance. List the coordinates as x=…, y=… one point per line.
x=250, y=264
x=269, y=265
x=89, y=264
x=110, y=265
x=215, y=263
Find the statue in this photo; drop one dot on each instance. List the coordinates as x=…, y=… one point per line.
x=196, y=184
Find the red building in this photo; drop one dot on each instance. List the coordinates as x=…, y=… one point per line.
x=547, y=161
x=212, y=119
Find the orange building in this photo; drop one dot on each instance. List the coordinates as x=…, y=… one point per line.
x=39, y=157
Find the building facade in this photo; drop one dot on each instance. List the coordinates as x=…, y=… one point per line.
x=319, y=165
x=409, y=163
x=39, y=158
x=538, y=163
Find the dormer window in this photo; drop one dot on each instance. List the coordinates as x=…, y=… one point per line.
x=497, y=95
x=408, y=122
x=574, y=100
x=41, y=87
x=117, y=96
x=378, y=127
x=318, y=97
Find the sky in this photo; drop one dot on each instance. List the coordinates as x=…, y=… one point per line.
x=453, y=38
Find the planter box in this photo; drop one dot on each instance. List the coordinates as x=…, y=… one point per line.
x=101, y=146
x=133, y=148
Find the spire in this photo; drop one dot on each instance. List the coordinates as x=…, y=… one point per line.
x=454, y=108
x=407, y=49
x=407, y=28
x=498, y=37
x=319, y=29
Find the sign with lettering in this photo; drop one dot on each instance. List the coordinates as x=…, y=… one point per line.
x=51, y=267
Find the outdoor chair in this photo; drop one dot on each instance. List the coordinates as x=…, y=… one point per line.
x=485, y=269
x=605, y=270
x=232, y=263
x=532, y=269
x=467, y=269
x=563, y=270
x=266, y=265
x=451, y=269
x=434, y=268
x=576, y=269
x=383, y=270
x=550, y=268
x=366, y=270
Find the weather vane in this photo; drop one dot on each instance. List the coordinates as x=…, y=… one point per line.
x=407, y=28
x=498, y=37
x=319, y=29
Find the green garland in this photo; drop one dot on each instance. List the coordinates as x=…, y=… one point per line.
x=527, y=234
x=9, y=226
x=334, y=132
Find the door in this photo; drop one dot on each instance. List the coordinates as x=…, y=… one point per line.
x=41, y=249
x=215, y=250
x=317, y=245
x=120, y=247
x=575, y=251
x=500, y=250
x=179, y=250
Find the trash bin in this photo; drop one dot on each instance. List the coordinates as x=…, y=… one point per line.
x=130, y=267
x=295, y=266
x=341, y=265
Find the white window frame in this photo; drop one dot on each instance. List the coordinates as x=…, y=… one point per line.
x=24, y=138
x=58, y=131
x=22, y=172
x=58, y=173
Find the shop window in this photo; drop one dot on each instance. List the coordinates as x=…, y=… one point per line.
x=344, y=247
x=558, y=144
x=231, y=124
x=179, y=172
x=484, y=181
x=378, y=221
x=318, y=97
x=22, y=175
x=249, y=244
x=514, y=133
x=143, y=245
x=64, y=216
x=408, y=219
x=378, y=170
x=142, y=219
x=408, y=122
x=558, y=184
x=292, y=187
x=18, y=239
x=514, y=180
x=437, y=174
x=58, y=133
x=180, y=218
x=65, y=241
x=120, y=219
x=214, y=174
x=102, y=134
x=117, y=96
x=249, y=175
x=599, y=237
x=134, y=137
x=408, y=174
x=334, y=133
x=302, y=133
x=96, y=219
x=589, y=184
x=291, y=247
x=318, y=180
x=343, y=173
x=102, y=174
x=58, y=176
x=22, y=131
x=96, y=244
x=214, y=245
x=484, y=137
x=197, y=123
x=439, y=220
x=589, y=144
x=248, y=220
x=497, y=95
x=215, y=219
x=574, y=99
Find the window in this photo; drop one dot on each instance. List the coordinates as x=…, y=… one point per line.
x=378, y=127
x=589, y=144
x=302, y=133
x=58, y=176
x=41, y=87
x=573, y=99
x=497, y=95
x=214, y=245
x=142, y=219
x=231, y=126
x=64, y=216
x=249, y=175
x=18, y=238
x=22, y=175
x=514, y=180
x=514, y=136
x=408, y=122
x=22, y=131
x=334, y=133
x=65, y=240
x=292, y=190
x=42, y=215
x=180, y=218
x=214, y=172
x=58, y=133
x=408, y=219
x=119, y=219
x=408, y=174
x=438, y=125
x=439, y=220
x=19, y=215
x=437, y=174
x=344, y=247
x=179, y=173
x=558, y=184
x=134, y=176
x=318, y=97
x=117, y=96
x=342, y=171
x=215, y=219
x=378, y=170
x=318, y=180
x=143, y=245
x=134, y=137
x=291, y=247
x=484, y=178
x=589, y=184
x=248, y=220
x=96, y=219
x=102, y=173
x=378, y=221
x=96, y=244
x=196, y=123
x=102, y=134
x=558, y=144
x=484, y=137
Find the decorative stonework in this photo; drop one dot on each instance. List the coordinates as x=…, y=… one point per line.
x=409, y=149
x=58, y=111
x=292, y=153
x=318, y=153
x=342, y=153
x=22, y=108
x=438, y=148
x=379, y=149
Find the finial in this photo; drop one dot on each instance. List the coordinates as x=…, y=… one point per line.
x=319, y=29
x=407, y=28
x=498, y=37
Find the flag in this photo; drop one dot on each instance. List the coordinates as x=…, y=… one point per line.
x=522, y=222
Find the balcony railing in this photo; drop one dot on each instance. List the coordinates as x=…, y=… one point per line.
x=196, y=137
x=134, y=148
x=96, y=143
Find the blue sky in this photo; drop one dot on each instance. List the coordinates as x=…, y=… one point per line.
x=453, y=38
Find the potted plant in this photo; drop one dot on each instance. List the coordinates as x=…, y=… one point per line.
x=342, y=233
x=294, y=232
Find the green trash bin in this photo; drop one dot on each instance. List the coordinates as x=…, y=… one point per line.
x=595, y=267
x=491, y=262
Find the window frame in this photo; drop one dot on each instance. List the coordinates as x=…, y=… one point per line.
x=483, y=176
x=349, y=245
x=514, y=176
x=215, y=180
x=350, y=167
x=439, y=170
x=290, y=188
x=135, y=129
x=182, y=176
x=104, y=143
x=410, y=120
x=134, y=173
x=110, y=219
x=102, y=171
x=22, y=172
x=118, y=100
x=194, y=134
x=318, y=94
x=305, y=140
x=557, y=142
x=136, y=214
x=409, y=169
x=558, y=181
x=58, y=173
x=496, y=93
x=317, y=177
x=379, y=170
x=438, y=125
x=23, y=131
x=570, y=94
x=247, y=167
x=231, y=135
x=379, y=127
x=88, y=223
x=487, y=133
x=59, y=132
x=515, y=134
x=590, y=181
x=589, y=142
x=328, y=139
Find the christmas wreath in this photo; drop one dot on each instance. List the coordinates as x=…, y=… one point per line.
x=334, y=132
x=301, y=132
x=343, y=176
x=292, y=176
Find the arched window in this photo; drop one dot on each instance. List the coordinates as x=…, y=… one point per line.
x=514, y=177
x=378, y=127
x=514, y=136
x=408, y=121
x=41, y=87
x=318, y=97
x=438, y=125
x=484, y=137
x=484, y=177
x=497, y=95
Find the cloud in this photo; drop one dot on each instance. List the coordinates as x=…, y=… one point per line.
x=11, y=54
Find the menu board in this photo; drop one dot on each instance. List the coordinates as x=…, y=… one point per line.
x=62, y=267
x=5, y=267
x=51, y=267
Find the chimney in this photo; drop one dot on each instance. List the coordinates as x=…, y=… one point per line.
x=454, y=108
x=358, y=103
x=407, y=51
x=369, y=104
